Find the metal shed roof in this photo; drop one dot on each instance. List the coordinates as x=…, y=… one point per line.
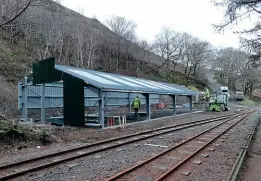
x=113, y=82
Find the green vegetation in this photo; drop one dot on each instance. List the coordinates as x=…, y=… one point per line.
x=248, y=102
x=217, y=77
x=11, y=133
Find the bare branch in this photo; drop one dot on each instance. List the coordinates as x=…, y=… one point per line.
x=16, y=16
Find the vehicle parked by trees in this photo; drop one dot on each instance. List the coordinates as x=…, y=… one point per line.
x=239, y=96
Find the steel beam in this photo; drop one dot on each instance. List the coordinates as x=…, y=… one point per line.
x=92, y=88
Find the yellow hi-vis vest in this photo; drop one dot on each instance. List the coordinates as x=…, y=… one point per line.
x=136, y=103
x=207, y=93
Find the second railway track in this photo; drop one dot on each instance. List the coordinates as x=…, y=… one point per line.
x=163, y=166
x=20, y=168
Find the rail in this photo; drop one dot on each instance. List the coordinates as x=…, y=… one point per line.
x=242, y=154
x=165, y=152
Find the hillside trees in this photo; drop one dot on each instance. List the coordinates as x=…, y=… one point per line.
x=238, y=70
x=168, y=45
x=230, y=62
x=144, y=54
x=126, y=30
x=10, y=10
x=73, y=39
x=236, y=13
x=123, y=27
x=184, y=50
x=195, y=56
x=48, y=29
x=250, y=75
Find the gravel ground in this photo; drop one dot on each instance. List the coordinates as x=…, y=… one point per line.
x=160, y=165
x=251, y=170
x=104, y=164
x=220, y=162
x=74, y=137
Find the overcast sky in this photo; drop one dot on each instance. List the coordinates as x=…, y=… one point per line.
x=191, y=16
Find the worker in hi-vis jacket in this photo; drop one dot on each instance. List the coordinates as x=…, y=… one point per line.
x=136, y=106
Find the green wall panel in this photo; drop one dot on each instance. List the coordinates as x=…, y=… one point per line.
x=73, y=92
x=44, y=72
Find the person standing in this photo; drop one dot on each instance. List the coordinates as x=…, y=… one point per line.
x=207, y=94
x=136, y=105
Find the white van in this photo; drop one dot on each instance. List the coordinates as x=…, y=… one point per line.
x=224, y=90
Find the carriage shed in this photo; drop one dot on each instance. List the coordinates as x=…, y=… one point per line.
x=76, y=79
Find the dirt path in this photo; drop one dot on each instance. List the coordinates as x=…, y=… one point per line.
x=252, y=168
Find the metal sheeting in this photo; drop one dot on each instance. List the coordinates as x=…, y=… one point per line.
x=114, y=82
x=54, y=97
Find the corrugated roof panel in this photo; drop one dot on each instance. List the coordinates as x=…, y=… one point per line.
x=152, y=84
x=140, y=82
x=163, y=86
x=93, y=77
x=113, y=82
x=119, y=80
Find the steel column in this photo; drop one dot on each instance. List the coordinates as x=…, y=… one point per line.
x=21, y=100
x=25, y=101
x=190, y=104
x=147, y=106
x=101, y=108
x=106, y=102
x=42, y=103
x=129, y=101
x=174, y=104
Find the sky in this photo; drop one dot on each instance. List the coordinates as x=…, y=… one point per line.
x=192, y=16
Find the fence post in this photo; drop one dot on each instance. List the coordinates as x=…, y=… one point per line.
x=124, y=121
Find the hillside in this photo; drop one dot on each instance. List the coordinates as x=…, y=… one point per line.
x=49, y=29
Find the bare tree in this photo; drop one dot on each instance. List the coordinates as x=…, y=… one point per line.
x=238, y=70
x=194, y=56
x=168, y=45
x=250, y=75
x=239, y=10
x=144, y=50
x=123, y=27
x=126, y=31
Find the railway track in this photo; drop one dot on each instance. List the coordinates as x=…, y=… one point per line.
x=164, y=166
x=16, y=169
x=242, y=154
